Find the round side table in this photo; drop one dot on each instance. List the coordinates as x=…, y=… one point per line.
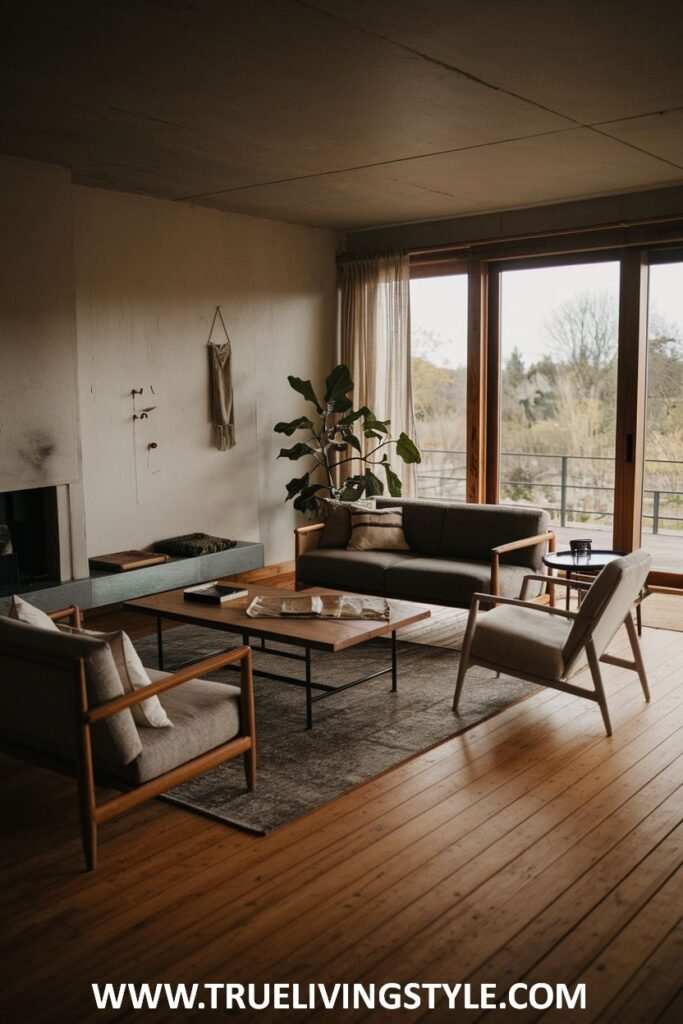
x=589, y=565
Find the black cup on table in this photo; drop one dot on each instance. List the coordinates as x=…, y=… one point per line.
x=581, y=549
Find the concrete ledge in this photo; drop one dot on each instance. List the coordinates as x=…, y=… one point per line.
x=103, y=588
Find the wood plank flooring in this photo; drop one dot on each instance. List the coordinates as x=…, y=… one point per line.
x=531, y=848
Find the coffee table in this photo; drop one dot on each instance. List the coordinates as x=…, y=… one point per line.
x=310, y=635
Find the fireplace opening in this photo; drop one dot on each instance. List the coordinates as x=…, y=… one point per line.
x=29, y=539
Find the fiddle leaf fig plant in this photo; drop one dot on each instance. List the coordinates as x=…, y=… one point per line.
x=333, y=445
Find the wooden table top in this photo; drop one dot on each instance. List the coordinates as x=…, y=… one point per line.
x=320, y=634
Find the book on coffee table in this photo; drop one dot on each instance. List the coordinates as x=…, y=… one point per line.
x=213, y=593
x=325, y=606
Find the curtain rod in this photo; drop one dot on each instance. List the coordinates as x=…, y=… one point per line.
x=556, y=233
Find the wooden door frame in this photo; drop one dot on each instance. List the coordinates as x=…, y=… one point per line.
x=493, y=387
x=631, y=386
x=477, y=333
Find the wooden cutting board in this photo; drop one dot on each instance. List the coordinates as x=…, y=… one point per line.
x=123, y=561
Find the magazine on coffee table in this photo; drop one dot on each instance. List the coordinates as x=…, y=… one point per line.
x=325, y=606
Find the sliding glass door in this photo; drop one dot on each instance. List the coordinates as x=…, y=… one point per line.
x=558, y=400
x=571, y=391
x=662, y=517
x=438, y=315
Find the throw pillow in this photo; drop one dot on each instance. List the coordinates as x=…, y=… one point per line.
x=378, y=530
x=133, y=677
x=25, y=612
x=337, y=515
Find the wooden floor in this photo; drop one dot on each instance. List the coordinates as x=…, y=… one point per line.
x=531, y=848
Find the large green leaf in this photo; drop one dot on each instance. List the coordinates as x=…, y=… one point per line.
x=289, y=428
x=373, y=484
x=305, y=388
x=353, y=440
x=296, y=452
x=353, y=488
x=337, y=387
x=356, y=414
x=393, y=483
x=407, y=449
x=296, y=484
x=306, y=501
x=372, y=427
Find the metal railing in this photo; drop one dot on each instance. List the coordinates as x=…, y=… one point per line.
x=563, y=508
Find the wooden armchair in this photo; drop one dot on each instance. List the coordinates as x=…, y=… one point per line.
x=56, y=714
x=548, y=645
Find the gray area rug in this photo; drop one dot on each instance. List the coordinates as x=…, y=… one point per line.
x=356, y=735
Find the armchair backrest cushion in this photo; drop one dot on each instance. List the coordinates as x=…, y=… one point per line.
x=39, y=697
x=607, y=604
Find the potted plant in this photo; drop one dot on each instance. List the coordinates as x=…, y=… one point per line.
x=333, y=446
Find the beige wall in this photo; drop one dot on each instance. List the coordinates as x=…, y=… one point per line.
x=149, y=274
x=38, y=396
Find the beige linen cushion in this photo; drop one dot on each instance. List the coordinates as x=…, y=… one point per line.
x=28, y=613
x=133, y=676
x=38, y=706
x=377, y=530
x=336, y=532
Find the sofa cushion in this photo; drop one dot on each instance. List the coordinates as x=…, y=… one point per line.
x=23, y=611
x=378, y=529
x=522, y=640
x=422, y=522
x=38, y=697
x=133, y=676
x=471, y=531
x=447, y=581
x=337, y=516
x=204, y=714
x=348, y=570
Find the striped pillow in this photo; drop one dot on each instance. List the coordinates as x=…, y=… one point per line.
x=377, y=530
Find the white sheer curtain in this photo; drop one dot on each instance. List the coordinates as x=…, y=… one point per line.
x=375, y=345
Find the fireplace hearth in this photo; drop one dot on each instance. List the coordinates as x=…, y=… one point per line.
x=30, y=538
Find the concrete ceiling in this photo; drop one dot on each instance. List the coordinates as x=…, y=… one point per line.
x=349, y=113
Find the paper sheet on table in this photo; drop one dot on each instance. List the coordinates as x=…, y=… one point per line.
x=327, y=606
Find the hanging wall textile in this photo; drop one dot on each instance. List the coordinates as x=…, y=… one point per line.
x=222, y=405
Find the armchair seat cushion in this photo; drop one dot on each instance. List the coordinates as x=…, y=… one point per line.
x=205, y=714
x=522, y=640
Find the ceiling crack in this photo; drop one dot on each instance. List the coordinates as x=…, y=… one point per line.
x=435, y=60
x=378, y=163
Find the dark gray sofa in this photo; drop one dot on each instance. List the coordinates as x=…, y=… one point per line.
x=456, y=550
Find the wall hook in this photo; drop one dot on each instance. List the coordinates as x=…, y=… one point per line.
x=136, y=391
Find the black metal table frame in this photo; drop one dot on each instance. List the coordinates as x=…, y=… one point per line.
x=327, y=690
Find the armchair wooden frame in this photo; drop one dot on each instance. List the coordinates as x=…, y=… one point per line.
x=598, y=693
x=93, y=814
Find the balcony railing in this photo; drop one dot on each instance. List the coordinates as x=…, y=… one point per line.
x=432, y=483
